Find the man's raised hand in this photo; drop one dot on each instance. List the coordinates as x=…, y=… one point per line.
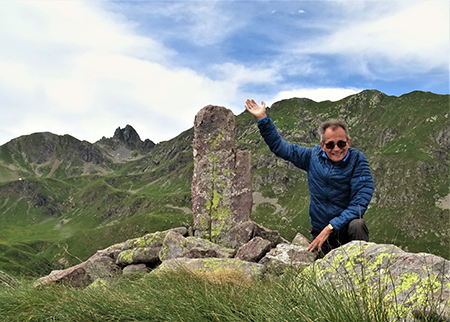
x=255, y=109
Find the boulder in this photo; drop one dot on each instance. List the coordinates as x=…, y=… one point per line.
x=135, y=269
x=75, y=276
x=242, y=233
x=149, y=241
x=287, y=255
x=113, y=251
x=101, y=266
x=409, y=285
x=145, y=255
x=213, y=265
x=176, y=246
x=254, y=250
x=300, y=240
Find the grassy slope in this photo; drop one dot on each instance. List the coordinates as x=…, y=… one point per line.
x=84, y=213
x=182, y=296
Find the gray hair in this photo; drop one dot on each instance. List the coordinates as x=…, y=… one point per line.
x=333, y=124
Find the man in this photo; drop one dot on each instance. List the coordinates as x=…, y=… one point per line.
x=339, y=179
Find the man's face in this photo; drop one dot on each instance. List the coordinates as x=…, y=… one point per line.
x=336, y=153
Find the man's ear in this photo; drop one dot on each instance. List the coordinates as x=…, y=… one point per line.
x=322, y=145
x=349, y=141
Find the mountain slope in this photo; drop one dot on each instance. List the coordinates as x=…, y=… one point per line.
x=62, y=199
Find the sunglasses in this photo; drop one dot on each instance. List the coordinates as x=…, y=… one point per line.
x=340, y=144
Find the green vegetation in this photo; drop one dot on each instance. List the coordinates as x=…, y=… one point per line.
x=184, y=296
x=74, y=207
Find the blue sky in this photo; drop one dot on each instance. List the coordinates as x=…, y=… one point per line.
x=85, y=68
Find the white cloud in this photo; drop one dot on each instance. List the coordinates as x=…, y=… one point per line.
x=416, y=37
x=82, y=68
x=79, y=74
x=240, y=74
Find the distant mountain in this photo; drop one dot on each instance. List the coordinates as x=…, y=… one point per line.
x=49, y=155
x=61, y=199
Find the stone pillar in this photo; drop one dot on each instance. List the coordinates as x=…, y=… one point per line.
x=221, y=186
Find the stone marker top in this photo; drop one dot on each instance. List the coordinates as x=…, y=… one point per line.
x=214, y=129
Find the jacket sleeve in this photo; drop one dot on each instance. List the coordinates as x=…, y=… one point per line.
x=296, y=154
x=362, y=187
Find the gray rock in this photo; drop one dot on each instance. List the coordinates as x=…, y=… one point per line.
x=254, y=250
x=101, y=266
x=287, y=255
x=113, y=251
x=150, y=241
x=213, y=265
x=272, y=235
x=146, y=255
x=242, y=233
x=181, y=230
x=408, y=284
x=300, y=240
x=135, y=269
x=176, y=246
x=75, y=276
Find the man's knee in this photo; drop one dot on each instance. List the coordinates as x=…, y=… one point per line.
x=357, y=230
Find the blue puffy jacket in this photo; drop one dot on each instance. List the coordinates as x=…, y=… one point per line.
x=339, y=191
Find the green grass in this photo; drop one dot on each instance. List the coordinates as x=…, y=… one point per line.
x=185, y=296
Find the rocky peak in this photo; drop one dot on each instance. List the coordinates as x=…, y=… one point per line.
x=129, y=136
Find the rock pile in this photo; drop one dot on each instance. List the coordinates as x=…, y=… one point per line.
x=175, y=247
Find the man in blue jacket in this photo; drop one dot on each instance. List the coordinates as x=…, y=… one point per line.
x=339, y=178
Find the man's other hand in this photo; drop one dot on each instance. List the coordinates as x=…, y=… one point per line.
x=320, y=239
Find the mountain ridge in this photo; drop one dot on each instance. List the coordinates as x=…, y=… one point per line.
x=98, y=198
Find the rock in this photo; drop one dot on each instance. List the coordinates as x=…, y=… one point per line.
x=176, y=246
x=129, y=137
x=212, y=265
x=173, y=246
x=408, y=284
x=272, y=235
x=221, y=185
x=181, y=230
x=201, y=248
x=242, y=233
x=287, y=255
x=149, y=240
x=101, y=266
x=135, y=269
x=146, y=255
x=254, y=250
x=300, y=240
x=113, y=251
x=75, y=276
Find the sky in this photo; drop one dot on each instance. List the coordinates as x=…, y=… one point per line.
x=85, y=68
